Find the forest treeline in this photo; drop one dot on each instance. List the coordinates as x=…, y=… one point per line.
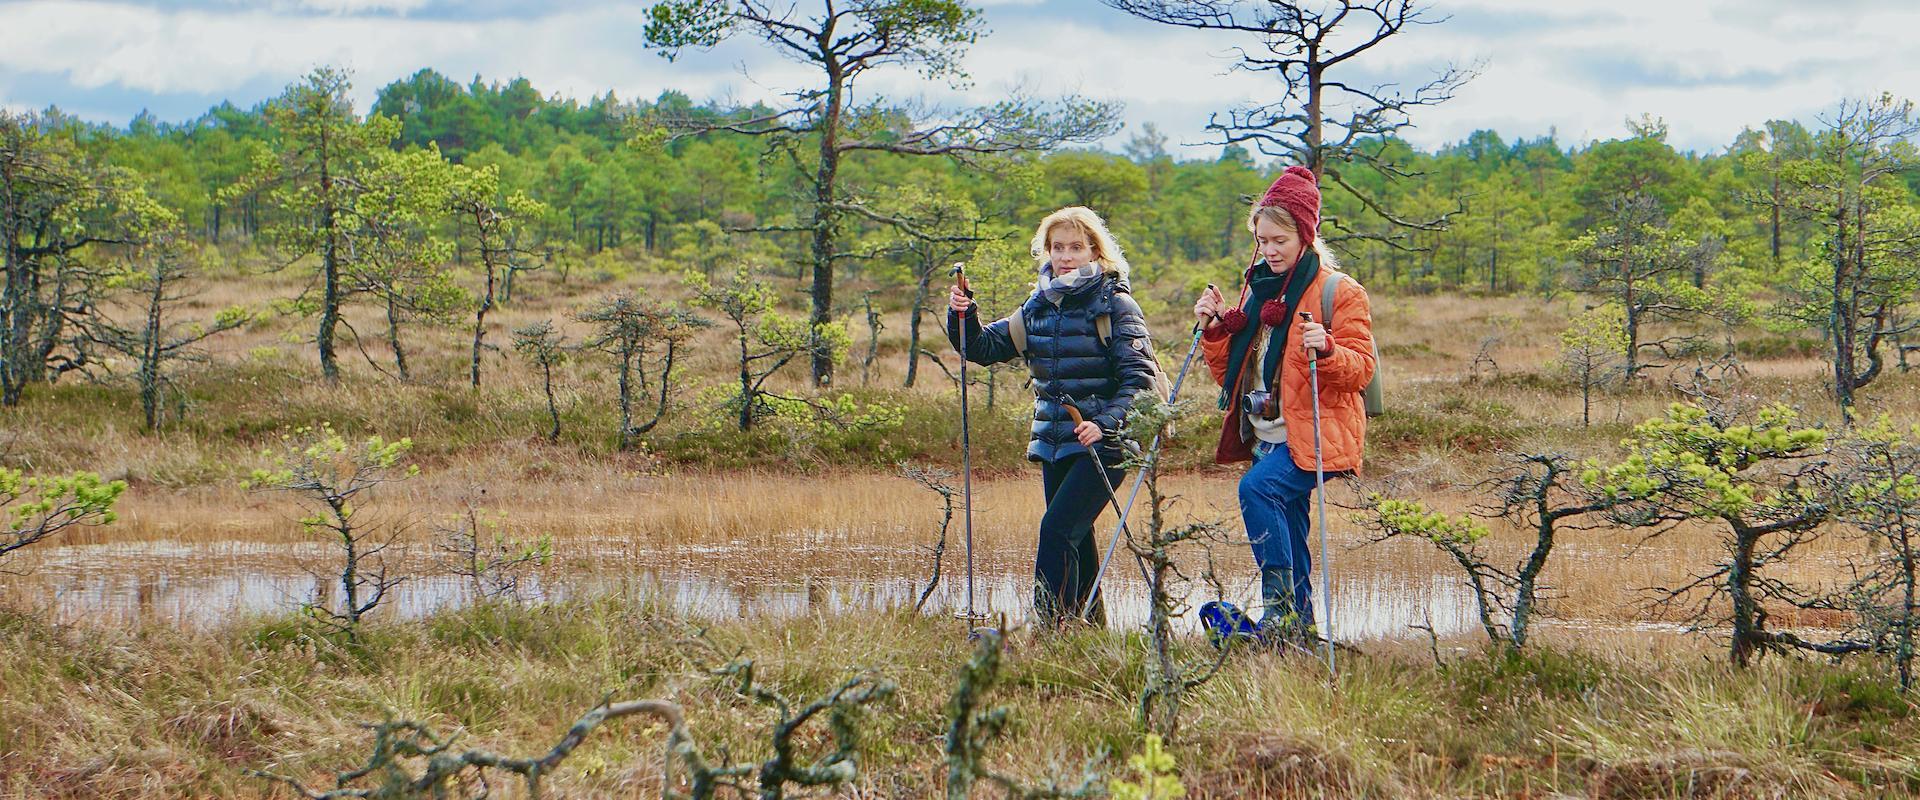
x=1513, y=207
x=1812, y=228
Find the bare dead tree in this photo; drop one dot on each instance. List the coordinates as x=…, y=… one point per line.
x=1333, y=125
x=475, y=546
x=938, y=481
x=400, y=745
x=160, y=274
x=1157, y=545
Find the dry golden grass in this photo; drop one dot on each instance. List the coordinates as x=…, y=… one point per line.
x=1448, y=418
x=152, y=711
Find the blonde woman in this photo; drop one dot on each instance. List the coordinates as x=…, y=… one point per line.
x=1083, y=277
x=1258, y=352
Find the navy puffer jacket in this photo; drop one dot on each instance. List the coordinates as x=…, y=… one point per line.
x=1066, y=357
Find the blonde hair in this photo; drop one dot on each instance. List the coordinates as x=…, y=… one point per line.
x=1280, y=217
x=1106, y=251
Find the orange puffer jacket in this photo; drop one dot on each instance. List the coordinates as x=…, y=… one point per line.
x=1344, y=374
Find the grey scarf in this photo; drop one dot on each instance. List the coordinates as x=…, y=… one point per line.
x=1056, y=287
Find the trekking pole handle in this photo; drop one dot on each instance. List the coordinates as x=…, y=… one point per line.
x=959, y=272
x=1198, y=325
x=1312, y=354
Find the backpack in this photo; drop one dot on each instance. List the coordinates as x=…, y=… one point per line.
x=1374, y=395
x=1102, y=327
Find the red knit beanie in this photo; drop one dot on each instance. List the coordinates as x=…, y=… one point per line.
x=1297, y=191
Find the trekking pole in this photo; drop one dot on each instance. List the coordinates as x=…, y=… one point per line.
x=1073, y=411
x=1153, y=455
x=966, y=442
x=1320, y=499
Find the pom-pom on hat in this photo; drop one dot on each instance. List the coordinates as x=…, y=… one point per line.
x=1298, y=192
x=1234, y=320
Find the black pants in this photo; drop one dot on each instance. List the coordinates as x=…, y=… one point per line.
x=1068, y=556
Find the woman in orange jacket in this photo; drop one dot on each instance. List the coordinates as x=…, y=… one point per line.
x=1258, y=351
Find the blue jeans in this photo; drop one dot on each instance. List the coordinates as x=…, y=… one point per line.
x=1274, y=500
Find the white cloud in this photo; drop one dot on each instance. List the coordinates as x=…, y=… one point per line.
x=1709, y=67
x=362, y=6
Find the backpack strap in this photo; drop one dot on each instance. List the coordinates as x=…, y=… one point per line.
x=1017, y=329
x=1326, y=300
x=1103, y=326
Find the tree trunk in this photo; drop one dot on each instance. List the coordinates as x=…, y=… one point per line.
x=825, y=218
x=349, y=568
x=1536, y=562
x=1746, y=633
x=553, y=406
x=873, y=342
x=393, y=339
x=480, y=314
x=915, y=312
x=1774, y=207
x=1586, y=397
x=1903, y=543
x=746, y=385
x=150, y=354
x=330, y=267
x=1840, y=317
x=626, y=397
x=666, y=383
x=1632, y=316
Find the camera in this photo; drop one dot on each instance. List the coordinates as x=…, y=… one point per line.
x=1261, y=405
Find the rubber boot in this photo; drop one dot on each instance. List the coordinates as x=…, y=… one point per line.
x=1278, y=620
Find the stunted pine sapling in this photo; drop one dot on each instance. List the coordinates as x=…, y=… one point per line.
x=336, y=482
x=400, y=256
x=546, y=347
x=1592, y=350
x=1763, y=481
x=767, y=339
x=1638, y=262
x=36, y=508
x=625, y=326
x=1537, y=491
x=322, y=156
x=1881, y=465
x=497, y=220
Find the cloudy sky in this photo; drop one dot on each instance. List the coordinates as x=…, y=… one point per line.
x=1575, y=67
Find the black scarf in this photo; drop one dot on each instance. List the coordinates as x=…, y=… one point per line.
x=1264, y=285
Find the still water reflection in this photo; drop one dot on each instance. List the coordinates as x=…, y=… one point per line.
x=204, y=584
